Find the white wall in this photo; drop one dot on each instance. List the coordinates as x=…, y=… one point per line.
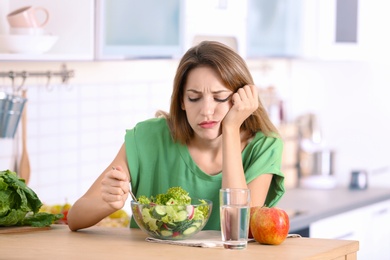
x=351, y=100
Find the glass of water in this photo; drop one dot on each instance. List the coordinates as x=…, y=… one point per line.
x=235, y=212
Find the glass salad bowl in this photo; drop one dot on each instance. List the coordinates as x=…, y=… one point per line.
x=172, y=222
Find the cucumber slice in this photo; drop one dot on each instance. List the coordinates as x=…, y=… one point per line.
x=183, y=225
x=170, y=225
x=181, y=215
x=166, y=233
x=190, y=230
x=197, y=223
x=159, y=211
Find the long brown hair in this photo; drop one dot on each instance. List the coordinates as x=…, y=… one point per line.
x=234, y=74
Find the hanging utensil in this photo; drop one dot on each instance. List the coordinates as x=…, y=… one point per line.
x=24, y=167
x=3, y=104
x=9, y=125
x=12, y=108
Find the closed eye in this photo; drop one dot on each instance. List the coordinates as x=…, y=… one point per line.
x=216, y=98
x=193, y=99
x=222, y=100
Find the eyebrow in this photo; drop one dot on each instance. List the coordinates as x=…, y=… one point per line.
x=214, y=92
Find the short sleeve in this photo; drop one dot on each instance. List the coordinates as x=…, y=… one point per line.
x=263, y=155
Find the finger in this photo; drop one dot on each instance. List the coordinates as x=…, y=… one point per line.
x=235, y=98
x=112, y=197
x=112, y=186
x=118, y=168
x=117, y=173
x=120, y=179
x=124, y=183
x=242, y=92
x=116, y=204
x=111, y=180
x=116, y=187
x=247, y=95
x=253, y=89
x=125, y=186
x=250, y=91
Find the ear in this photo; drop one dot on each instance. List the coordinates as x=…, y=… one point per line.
x=182, y=106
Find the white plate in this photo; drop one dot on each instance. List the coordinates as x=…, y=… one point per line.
x=34, y=44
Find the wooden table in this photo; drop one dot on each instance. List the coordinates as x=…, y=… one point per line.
x=122, y=243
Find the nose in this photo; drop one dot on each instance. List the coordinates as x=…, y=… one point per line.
x=208, y=107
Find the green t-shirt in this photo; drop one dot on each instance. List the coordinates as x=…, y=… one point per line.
x=157, y=163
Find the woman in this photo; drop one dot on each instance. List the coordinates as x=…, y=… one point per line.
x=217, y=135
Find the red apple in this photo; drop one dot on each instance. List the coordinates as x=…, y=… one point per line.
x=269, y=226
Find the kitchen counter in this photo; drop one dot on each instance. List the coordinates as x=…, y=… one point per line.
x=123, y=243
x=308, y=205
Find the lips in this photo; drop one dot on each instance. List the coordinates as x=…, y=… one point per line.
x=207, y=124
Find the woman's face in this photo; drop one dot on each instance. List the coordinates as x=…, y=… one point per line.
x=206, y=102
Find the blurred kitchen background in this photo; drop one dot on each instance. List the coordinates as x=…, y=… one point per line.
x=321, y=67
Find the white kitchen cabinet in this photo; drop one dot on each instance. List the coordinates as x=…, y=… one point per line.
x=342, y=226
x=376, y=240
x=274, y=28
x=319, y=29
x=153, y=29
x=261, y=28
x=346, y=29
x=309, y=29
x=72, y=20
x=369, y=225
x=363, y=23
x=132, y=29
x=335, y=29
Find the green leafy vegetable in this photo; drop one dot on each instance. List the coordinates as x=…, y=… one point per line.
x=19, y=204
x=173, y=196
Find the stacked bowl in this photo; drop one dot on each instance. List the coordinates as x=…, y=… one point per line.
x=27, y=33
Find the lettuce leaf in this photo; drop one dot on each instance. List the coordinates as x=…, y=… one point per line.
x=19, y=204
x=41, y=219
